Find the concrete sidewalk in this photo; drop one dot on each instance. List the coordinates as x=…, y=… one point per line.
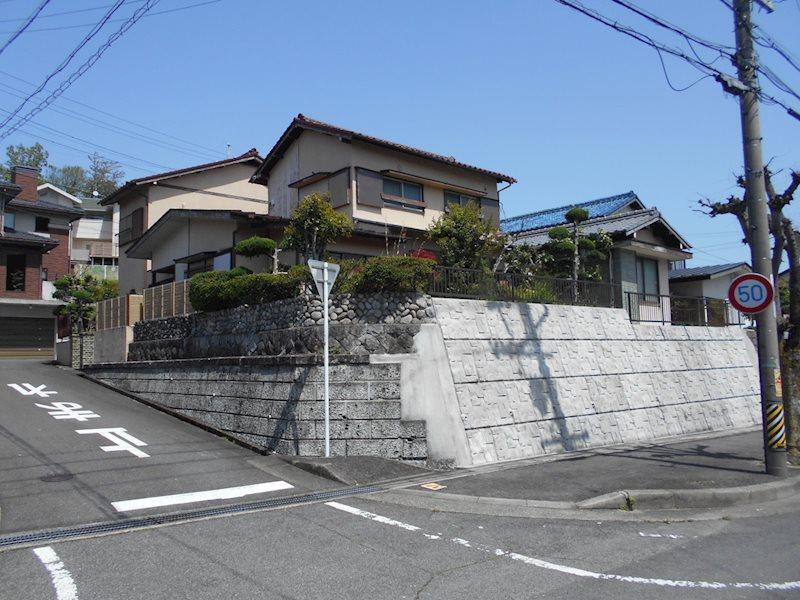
x=702, y=472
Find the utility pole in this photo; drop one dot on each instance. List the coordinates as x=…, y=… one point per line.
x=755, y=193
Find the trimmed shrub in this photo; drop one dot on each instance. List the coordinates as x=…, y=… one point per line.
x=218, y=290
x=255, y=246
x=576, y=215
x=204, y=289
x=392, y=274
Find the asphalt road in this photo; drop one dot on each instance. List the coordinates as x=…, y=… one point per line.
x=354, y=547
x=51, y=475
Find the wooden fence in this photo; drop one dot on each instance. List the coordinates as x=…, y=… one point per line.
x=168, y=300
x=118, y=312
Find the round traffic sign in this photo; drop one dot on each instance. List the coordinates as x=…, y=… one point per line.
x=751, y=293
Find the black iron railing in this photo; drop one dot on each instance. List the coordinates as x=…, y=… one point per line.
x=476, y=284
x=681, y=310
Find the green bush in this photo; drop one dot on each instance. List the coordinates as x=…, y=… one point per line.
x=391, y=274
x=255, y=246
x=218, y=290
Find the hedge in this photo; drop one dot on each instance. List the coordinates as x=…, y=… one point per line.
x=218, y=290
x=390, y=274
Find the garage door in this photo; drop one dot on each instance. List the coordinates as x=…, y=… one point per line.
x=26, y=336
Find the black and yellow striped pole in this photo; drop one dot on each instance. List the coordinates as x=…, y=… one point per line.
x=776, y=428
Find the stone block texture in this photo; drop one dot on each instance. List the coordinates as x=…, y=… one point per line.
x=278, y=404
x=374, y=324
x=536, y=379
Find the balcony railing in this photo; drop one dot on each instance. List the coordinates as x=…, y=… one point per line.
x=681, y=310
x=469, y=283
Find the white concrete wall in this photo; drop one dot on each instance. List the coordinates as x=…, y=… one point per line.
x=535, y=379
x=111, y=345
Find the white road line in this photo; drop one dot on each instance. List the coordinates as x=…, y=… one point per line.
x=543, y=564
x=224, y=493
x=60, y=577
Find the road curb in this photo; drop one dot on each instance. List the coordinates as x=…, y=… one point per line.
x=632, y=500
x=706, y=498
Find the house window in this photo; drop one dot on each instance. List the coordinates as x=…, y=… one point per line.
x=9, y=221
x=131, y=227
x=44, y=275
x=15, y=272
x=402, y=194
x=451, y=198
x=647, y=278
x=104, y=261
x=42, y=224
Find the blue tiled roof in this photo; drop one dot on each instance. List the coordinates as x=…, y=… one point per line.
x=556, y=216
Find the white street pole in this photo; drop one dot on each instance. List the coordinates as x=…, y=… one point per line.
x=325, y=334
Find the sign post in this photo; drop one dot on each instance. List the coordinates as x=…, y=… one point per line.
x=752, y=294
x=324, y=275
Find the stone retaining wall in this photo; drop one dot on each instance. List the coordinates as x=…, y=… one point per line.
x=277, y=403
x=381, y=323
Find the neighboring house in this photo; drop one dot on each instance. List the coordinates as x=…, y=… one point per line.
x=220, y=185
x=34, y=251
x=391, y=191
x=644, y=243
x=711, y=281
x=93, y=237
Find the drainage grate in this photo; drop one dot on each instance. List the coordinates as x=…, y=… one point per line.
x=67, y=533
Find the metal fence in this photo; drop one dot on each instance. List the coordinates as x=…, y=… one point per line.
x=473, y=283
x=167, y=300
x=681, y=310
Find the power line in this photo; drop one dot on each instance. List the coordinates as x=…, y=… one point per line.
x=213, y=151
x=71, y=12
x=95, y=145
x=161, y=12
x=700, y=65
x=18, y=32
x=81, y=70
x=115, y=128
x=86, y=39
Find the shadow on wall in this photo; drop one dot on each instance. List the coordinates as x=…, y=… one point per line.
x=543, y=390
x=288, y=417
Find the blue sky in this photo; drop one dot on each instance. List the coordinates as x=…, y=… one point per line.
x=573, y=110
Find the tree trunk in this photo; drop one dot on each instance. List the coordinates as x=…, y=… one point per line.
x=790, y=363
x=576, y=262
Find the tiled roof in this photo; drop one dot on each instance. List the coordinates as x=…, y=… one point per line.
x=705, y=272
x=556, y=216
x=45, y=206
x=301, y=122
x=28, y=239
x=250, y=155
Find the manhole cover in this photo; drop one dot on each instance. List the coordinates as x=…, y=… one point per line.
x=57, y=477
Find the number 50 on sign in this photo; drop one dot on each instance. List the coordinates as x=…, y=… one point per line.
x=751, y=293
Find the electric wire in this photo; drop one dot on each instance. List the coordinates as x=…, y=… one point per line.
x=19, y=31
x=161, y=12
x=71, y=12
x=701, y=66
x=64, y=63
x=115, y=128
x=87, y=64
x=214, y=152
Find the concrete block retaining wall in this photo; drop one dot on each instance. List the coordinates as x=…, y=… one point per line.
x=277, y=403
x=534, y=379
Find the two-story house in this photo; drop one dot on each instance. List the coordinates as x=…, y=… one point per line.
x=34, y=252
x=221, y=185
x=391, y=191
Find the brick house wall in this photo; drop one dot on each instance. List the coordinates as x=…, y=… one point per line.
x=57, y=260
x=33, y=280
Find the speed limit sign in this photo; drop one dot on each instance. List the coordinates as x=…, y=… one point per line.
x=751, y=293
